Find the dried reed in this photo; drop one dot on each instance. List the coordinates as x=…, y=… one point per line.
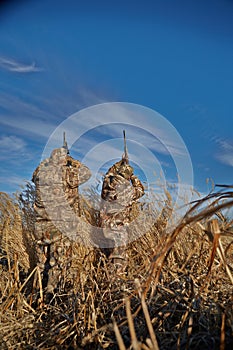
x=176, y=292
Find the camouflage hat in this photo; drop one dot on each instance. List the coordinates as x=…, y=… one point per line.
x=58, y=152
x=58, y=156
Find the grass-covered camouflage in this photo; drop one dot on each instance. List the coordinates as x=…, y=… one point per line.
x=120, y=191
x=176, y=294
x=57, y=181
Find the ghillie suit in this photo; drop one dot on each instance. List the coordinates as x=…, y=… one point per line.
x=120, y=191
x=57, y=181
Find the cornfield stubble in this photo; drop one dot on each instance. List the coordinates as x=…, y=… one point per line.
x=177, y=292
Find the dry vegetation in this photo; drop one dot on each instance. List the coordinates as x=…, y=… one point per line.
x=176, y=292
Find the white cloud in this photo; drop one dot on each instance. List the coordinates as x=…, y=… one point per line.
x=146, y=139
x=13, y=180
x=18, y=67
x=156, y=136
x=33, y=126
x=226, y=159
x=40, y=114
x=11, y=144
x=161, y=138
x=14, y=154
x=226, y=146
x=29, y=117
x=225, y=154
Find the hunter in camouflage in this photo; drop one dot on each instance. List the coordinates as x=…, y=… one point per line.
x=57, y=181
x=120, y=191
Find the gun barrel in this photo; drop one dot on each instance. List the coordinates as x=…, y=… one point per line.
x=126, y=156
x=65, y=145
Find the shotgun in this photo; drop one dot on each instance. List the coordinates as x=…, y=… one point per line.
x=65, y=145
x=125, y=156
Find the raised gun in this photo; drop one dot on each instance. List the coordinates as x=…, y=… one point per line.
x=65, y=145
x=125, y=156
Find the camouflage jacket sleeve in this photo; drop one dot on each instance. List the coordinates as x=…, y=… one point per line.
x=109, y=192
x=76, y=172
x=84, y=173
x=115, y=185
x=138, y=187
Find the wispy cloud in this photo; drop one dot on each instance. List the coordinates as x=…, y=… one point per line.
x=14, y=157
x=30, y=126
x=14, y=151
x=27, y=116
x=38, y=114
x=226, y=159
x=149, y=142
x=225, y=153
x=11, y=144
x=158, y=135
x=12, y=65
x=12, y=181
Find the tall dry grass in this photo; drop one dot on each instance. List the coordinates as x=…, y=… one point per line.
x=176, y=292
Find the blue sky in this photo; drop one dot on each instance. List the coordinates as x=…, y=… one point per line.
x=175, y=57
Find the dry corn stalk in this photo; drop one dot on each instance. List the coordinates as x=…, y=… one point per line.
x=11, y=232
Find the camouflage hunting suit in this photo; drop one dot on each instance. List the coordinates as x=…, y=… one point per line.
x=120, y=191
x=57, y=181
